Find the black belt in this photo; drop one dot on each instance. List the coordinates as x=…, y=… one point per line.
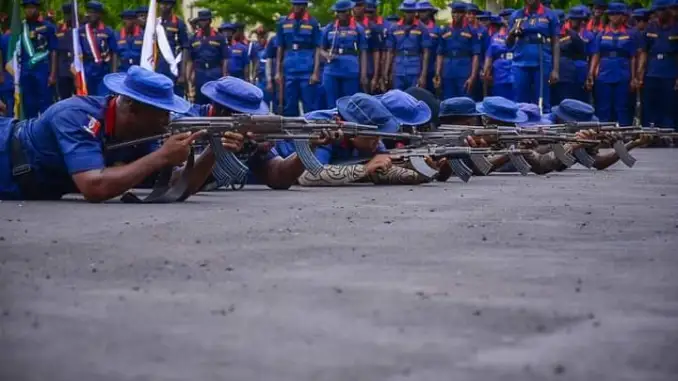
x=408, y=53
x=536, y=40
x=458, y=54
x=346, y=52
x=302, y=47
x=205, y=65
x=614, y=54
x=575, y=57
x=22, y=174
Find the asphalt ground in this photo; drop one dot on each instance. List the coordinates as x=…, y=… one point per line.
x=571, y=276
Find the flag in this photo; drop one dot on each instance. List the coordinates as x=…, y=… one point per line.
x=77, y=68
x=148, y=54
x=14, y=57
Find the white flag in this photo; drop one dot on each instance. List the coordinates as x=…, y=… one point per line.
x=78, y=68
x=148, y=48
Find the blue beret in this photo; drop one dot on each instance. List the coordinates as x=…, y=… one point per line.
x=30, y=2
x=458, y=6
x=641, y=13
x=408, y=6
x=496, y=20
x=141, y=9
x=342, y=6
x=506, y=12
x=95, y=6
x=600, y=3
x=484, y=15
x=579, y=12
x=662, y=4
x=204, y=15
x=128, y=13
x=616, y=9
x=299, y=2
x=425, y=5
x=227, y=26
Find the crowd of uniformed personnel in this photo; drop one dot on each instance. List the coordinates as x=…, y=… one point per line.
x=601, y=53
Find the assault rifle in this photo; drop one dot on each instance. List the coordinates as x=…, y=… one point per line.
x=228, y=168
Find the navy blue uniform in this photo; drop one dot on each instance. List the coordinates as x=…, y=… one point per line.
x=661, y=45
x=36, y=94
x=65, y=86
x=208, y=53
x=97, y=56
x=129, y=48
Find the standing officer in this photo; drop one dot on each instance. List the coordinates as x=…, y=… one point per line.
x=298, y=59
x=345, y=48
x=99, y=49
x=65, y=86
x=427, y=14
x=238, y=60
x=38, y=61
x=481, y=32
x=130, y=39
x=575, y=48
x=209, y=52
x=641, y=16
x=142, y=15
x=259, y=70
x=6, y=79
x=375, y=32
x=173, y=52
x=597, y=24
x=659, y=67
x=498, y=60
x=614, y=54
x=271, y=70
x=533, y=37
x=458, y=55
x=409, y=41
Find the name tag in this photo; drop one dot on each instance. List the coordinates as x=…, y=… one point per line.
x=288, y=26
x=215, y=43
x=305, y=26
x=59, y=34
x=509, y=56
x=660, y=56
x=467, y=35
x=170, y=29
x=416, y=32
x=624, y=37
x=237, y=51
x=138, y=42
x=104, y=35
x=195, y=44
x=120, y=42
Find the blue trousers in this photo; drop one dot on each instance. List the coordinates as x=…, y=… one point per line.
x=337, y=87
x=271, y=99
x=526, y=85
x=7, y=97
x=612, y=102
x=65, y=87
x=95, y=85
x=404, y=82
x=203, y=76
x=454, y=87
x=298, y=89
x=659, y=101
x=37, y=96
x=502, y=90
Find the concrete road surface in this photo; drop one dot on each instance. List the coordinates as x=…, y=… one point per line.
x=572, y=276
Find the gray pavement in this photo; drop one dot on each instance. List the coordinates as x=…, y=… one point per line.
x=572, y=276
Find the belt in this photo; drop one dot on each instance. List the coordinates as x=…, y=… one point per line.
x=347, y=52
x=536, y=40
x=22, y=174
x=205, y=65
x=574, y=56
x=458, y=54
x=663, y=56
x=302, y=47
x=409, y=53
x=614, y=54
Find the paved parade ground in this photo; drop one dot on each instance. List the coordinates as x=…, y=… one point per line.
x=570, y=276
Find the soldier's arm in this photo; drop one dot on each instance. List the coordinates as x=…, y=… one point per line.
x=52, y=46
x=185, y=52
x=113, y=45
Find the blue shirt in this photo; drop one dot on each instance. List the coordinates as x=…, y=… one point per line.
x=272, y=54
x=107, y=46
x=129, y=48
x=43, y=38
x=299, y=39
x=345, y=47
x=208, y=51
x=457, y=46
x=616, y=48
x=661, y=45
x=375, y=33
x=64, y=36
x=68, y=138
x=409, y=43
x=239, y=59
x=502, y=58
x=575, y=48
x=526, y=47
x=434, y=34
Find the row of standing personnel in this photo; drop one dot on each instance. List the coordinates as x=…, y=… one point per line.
x=477, y=54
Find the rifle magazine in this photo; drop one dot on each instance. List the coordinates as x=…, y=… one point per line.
x=624, y=154
x=307, y=157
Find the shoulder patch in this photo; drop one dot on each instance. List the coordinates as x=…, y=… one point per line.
x=93, y=127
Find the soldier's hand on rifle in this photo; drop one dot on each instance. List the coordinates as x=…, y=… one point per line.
x=642, y=140
x=476, y=142
x=442, y=166
x=586, y=134
x=528, y=144
x=327, y=137
x=554, y=77
x=177, y=147
x=232, y=141
x=379, y=163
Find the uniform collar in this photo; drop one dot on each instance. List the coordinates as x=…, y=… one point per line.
x=109, y=117
x=464, y=24
x=401, y=22
x=378, y=20
x=622, y=29
x=351, y=23
x=305, y=17
x=99, y=26
x=591, y=25
x=172, y=18
x=199, y=32
x=540, y=10
x=135, y=33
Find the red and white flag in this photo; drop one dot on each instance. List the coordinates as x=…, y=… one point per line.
x=148, y=54
x=77, y=67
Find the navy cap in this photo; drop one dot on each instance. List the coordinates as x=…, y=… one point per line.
x=641, y=13
x=506, y=12
x=321, y=114
x=405, y=108
x=616, y=9
x=425, y=5
x=299, y=2
x=204, y=15
x=560, y=13
x=408, y=6
x=572, y=110
x=502, y=109
x=142, y=9
x=167, y=1
x=30, y=2
x=458, y=6
x=371, y=5
x=236, y=94
x=579, y=12
x=95, y=6
x=458, y=106
x=226, y=26
x=471, y=7
x=496, y=20
x=342, y=6
x=484, y=15
x=363, y=108
x=67, y=8
x=533, y=114
x=600, y=3
x=429, y=98
x=128, y=13
x=147, y=87
x=661, y=4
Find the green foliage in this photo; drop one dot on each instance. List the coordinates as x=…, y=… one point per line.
x=113, y=8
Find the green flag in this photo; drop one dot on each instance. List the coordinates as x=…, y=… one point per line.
x=12, y=59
